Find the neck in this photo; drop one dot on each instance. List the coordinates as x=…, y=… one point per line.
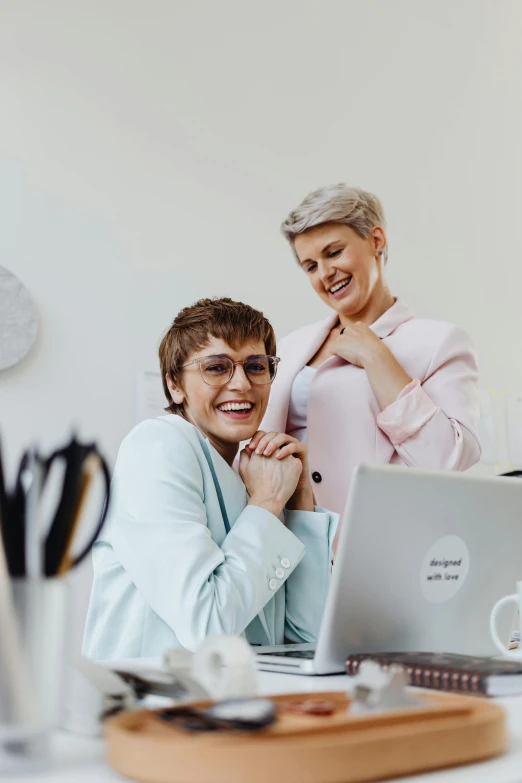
x=226, y=450
x=381, y=301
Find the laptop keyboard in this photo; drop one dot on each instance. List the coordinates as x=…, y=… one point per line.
x=308, y=654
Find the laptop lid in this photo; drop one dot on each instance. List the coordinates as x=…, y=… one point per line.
x=422, y=558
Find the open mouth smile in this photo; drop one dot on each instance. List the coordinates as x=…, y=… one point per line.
x=338, y=288
x=236, y=409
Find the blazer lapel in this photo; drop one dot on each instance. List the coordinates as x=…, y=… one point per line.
x=235, y=498
x=233, y=490
x=396, y=315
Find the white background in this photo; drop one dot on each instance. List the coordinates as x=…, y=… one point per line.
x=150, y=149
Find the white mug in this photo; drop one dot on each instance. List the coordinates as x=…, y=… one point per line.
x=516, y=599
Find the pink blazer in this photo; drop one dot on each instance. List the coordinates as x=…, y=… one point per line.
x=432, y=424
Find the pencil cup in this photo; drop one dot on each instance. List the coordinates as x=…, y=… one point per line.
x=32, y=673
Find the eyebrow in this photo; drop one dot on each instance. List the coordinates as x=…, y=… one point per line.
x=324, y=251
x=216, y=356
x=227, y=356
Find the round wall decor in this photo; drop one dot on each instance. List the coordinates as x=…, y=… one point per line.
x=18, y=320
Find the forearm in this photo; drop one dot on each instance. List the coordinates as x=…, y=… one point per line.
x=440, y=444
x=386, y=376
x=203, y=588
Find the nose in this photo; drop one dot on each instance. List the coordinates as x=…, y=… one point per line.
x=239, y=380
x=325, y=270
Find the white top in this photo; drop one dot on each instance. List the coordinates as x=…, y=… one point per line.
x=296, y=424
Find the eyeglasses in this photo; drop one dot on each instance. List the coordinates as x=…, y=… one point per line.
x=218, y=370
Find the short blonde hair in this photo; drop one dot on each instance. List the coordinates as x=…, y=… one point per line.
x=340, y=203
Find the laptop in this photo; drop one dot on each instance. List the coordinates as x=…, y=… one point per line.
x=422, y=558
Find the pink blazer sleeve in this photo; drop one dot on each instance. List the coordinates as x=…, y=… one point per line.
x=433, y=423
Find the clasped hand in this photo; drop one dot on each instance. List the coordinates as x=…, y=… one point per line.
x=274, y=469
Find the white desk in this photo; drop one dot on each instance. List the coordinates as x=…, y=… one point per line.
x=80, y=760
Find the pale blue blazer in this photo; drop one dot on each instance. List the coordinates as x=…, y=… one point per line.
x=166, y=574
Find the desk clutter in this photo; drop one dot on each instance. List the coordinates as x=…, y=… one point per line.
x=318, y=740
x=215, y=725
x=49, y=520
x=223, y=667
x=379, y=729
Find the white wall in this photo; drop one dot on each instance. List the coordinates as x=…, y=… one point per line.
x=149, y=150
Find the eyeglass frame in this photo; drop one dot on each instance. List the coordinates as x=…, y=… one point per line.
x=224, y=356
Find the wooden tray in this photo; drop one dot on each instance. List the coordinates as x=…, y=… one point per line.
x=340, y=748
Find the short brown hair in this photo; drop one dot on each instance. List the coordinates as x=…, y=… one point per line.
x=234, y=322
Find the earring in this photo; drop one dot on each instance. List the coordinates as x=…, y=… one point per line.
x=379, y=252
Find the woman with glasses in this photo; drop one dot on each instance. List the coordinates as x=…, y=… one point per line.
x=371, y=382
x=192, y=548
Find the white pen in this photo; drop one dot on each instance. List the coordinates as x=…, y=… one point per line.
x=33, y=535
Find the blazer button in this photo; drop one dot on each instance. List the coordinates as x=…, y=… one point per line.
x=317, y=477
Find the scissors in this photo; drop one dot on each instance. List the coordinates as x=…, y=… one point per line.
x=3, y=500
x=29, y=548
x=250, y=714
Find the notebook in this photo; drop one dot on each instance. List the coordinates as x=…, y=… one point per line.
x=450, y=672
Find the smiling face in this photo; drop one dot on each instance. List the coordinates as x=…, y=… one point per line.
x=345, y=269
x=225, y=414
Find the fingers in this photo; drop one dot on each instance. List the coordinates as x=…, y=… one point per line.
x=255, y=440
x=277, y=444
x=244, y=459
x=270, y=442
x=295, y=449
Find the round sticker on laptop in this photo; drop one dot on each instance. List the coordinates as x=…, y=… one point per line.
x=444, y=569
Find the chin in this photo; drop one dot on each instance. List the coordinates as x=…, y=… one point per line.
x=247, y=432
x=241, y=432
x=349, y=308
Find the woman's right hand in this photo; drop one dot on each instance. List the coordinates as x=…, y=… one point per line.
x=269, y=481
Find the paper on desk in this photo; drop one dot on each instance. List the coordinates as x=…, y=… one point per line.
x=150, y=399
x=487, y=428
x=513, y=413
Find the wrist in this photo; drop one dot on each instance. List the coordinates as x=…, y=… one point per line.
x=273, y=505
x=302, y=500
x=374, y=353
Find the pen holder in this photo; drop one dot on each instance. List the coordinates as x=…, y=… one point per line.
x=32, y=673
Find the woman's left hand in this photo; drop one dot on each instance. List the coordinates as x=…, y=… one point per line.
x=267, y=443
x=357, y=344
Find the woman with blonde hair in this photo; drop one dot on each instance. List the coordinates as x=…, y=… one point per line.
x=370, y=383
